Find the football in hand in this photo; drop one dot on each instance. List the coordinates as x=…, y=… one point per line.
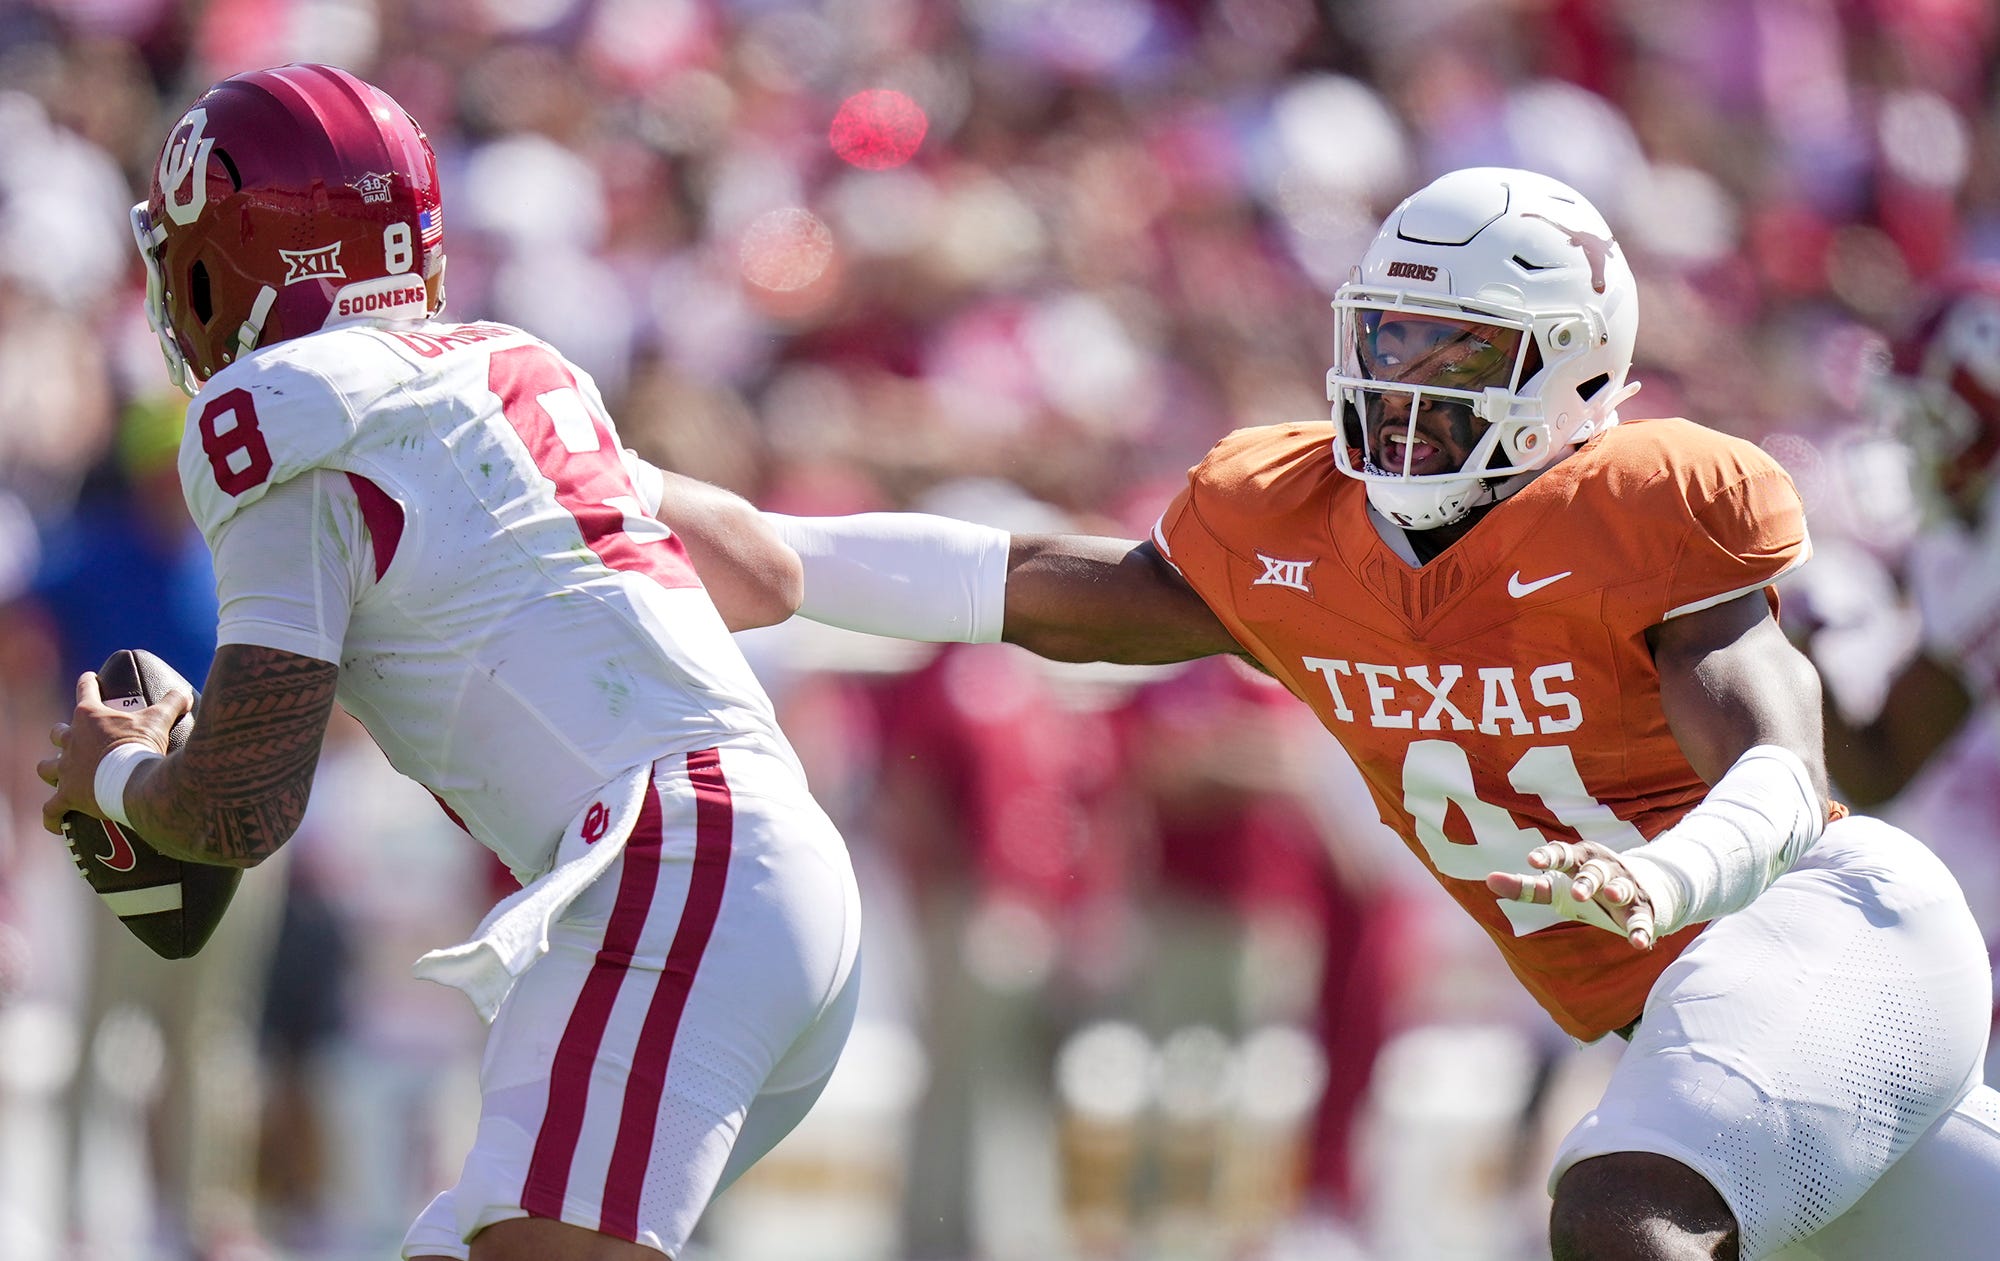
x=172, y=906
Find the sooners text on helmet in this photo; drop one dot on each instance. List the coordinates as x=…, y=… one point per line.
x=362, y=304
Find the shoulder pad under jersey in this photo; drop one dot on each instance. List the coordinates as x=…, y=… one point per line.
x=278, y=413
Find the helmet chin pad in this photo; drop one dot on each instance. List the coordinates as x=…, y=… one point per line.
x=1426, y=505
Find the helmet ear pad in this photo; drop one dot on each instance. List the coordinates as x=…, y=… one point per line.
x=200, y=300
x=1525, y=444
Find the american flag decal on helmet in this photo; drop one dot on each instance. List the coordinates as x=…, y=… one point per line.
x=430, y=226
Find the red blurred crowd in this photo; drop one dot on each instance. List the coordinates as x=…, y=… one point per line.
x=1147, y=977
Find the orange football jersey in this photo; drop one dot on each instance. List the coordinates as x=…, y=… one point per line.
x=1503, y=694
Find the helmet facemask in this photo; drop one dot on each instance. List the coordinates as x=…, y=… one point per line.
x=151, y=241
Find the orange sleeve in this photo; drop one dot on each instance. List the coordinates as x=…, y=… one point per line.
x=1738, y=540
x=1185, y=533
x=1170, y=532
x=1192, y=548
x=1252, y=484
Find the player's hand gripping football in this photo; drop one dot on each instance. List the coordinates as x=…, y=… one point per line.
x=94, y=727
x=1570, y=875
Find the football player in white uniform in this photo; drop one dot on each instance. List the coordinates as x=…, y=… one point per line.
x=436, y=526
x=1906, y=626
x=1941, y=704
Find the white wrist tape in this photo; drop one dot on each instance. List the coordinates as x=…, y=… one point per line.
x=908, y=575
x=114, y=771
x=1754, y=824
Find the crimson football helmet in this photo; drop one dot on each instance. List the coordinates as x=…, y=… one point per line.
x=1947, y=374
x=1494, y=305
x=283, y=201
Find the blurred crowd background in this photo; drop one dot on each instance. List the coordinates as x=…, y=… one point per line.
x=1146, y=979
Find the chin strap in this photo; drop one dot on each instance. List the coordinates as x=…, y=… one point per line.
x=253, y=328
x=1608, y=417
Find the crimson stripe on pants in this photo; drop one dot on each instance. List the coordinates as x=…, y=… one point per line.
x=713, y=827
x=576, y=1054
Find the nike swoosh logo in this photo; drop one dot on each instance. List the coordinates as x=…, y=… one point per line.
x=1517, y=588
x=120, y=857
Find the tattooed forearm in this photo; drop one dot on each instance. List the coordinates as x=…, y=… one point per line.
x=237, y=791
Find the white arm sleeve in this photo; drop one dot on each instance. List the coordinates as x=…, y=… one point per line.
x=1758, y=820
x=907, y=575
x=289, y=567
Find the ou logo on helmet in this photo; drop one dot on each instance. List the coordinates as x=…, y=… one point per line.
x=183, y=173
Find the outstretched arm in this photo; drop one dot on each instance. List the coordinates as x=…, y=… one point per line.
x=1068, y=597
x=1073, y=597
x=753, y=578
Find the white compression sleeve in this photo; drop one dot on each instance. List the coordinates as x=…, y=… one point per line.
x=1760, y=817
x=907, y=575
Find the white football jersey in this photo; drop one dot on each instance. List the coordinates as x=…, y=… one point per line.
x=526, y=630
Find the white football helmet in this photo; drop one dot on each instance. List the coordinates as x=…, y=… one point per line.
x=1490, y=295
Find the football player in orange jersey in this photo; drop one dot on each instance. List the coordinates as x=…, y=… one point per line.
x=1547, y=638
